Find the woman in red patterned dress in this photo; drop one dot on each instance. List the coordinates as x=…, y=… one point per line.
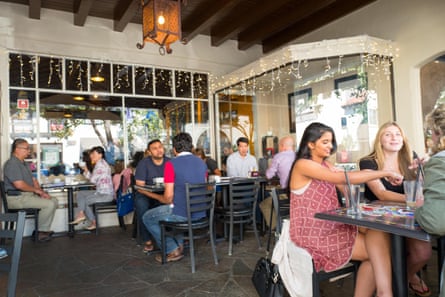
x=332, y=245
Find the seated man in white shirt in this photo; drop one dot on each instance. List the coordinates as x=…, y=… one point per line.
x=240, y=163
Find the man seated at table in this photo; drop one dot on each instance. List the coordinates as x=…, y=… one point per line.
x=240, y=163
x=184, y=168
x=147, y=169
x=23, y=190
x=280, y=166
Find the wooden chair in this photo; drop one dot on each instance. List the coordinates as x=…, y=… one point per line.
x=281, y=209
x=11, y=241
x=200, y=199
x=241, y=209
x=31, y=213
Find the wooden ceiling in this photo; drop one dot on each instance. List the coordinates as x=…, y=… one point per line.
x=270, y=23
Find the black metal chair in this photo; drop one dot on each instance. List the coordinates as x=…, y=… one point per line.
x=200, y=199
x=281, y=209
x=108, y=207
x=11, y=241
x=31, y=213
x=241, y=208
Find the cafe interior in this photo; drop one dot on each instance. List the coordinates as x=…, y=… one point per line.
x=77, y=74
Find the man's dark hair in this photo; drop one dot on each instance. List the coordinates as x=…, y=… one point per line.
x=182, y=142
x=153, y=141
x=242, y=139
x=16, y=143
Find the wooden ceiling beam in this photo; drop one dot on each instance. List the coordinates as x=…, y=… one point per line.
x=270, y=26
x=81, y=14
x=226, y=30
x=315, y=21
x=124, y=13
x=207, y=13
x=34, y=9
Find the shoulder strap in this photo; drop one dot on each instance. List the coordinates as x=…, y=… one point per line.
x=270, y=230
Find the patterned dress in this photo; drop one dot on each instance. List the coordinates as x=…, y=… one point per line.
x=329, y=243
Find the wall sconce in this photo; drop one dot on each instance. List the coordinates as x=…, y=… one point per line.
x=161, y=23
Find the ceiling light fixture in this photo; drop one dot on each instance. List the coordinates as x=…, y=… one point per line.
x=161, y=23
x=98, y=77
x=67, y=114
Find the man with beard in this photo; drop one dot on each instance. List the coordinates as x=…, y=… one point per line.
x=148, y=169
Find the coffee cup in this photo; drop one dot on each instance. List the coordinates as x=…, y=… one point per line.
x=82, y=164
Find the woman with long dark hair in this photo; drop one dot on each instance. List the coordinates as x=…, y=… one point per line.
x=101, y=177
x=312, y=185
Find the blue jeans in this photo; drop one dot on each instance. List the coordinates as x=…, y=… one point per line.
x=141, y=204
x=151, y=220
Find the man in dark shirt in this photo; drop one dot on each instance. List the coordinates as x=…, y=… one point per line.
x=23, y=190
x=184, y=168
x=148, y=168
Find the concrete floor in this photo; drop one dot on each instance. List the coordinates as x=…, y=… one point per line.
x=112, y=264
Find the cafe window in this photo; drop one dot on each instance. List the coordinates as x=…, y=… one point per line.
x=77, y=104
x=351, y=92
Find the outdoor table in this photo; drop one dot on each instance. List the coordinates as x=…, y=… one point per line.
x=391, y=218
x=70, y=188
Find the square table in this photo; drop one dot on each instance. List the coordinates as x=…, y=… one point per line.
x=390, y=218
x=70, y=188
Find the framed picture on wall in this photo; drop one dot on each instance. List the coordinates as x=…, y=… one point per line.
x=299, y=101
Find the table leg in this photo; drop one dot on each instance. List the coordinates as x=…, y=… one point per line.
x=398, y=256
x=70, y=211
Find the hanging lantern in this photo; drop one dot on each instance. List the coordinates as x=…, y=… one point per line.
x=161, y=23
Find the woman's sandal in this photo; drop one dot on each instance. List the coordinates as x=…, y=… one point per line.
x=424, y=292
x=149, y=247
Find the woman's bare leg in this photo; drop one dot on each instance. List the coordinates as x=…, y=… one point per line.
x=378, y=247
x=419, y=252
x=373, y=249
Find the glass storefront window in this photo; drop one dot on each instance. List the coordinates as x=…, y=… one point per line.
x=50, y=73
x=122, y=79
x=351, y=93
x=76, y=75
x=76, y=105
x=22, y=70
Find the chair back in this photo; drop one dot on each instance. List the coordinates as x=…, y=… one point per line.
x=200, y=201
x=281, y=207
x=11, y=241
x=243, y=194
x=3, y=194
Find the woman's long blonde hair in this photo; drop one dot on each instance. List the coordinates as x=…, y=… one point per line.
x=405, y=155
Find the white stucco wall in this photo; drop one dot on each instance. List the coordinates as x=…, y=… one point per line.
x=417, y=29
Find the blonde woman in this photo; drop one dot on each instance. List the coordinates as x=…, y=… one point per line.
x=392, y=152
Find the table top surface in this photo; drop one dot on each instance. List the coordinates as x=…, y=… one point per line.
x=66, y=186
x=158, y=188
x=392, y=218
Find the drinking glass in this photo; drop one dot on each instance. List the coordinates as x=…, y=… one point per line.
x=353, y=199
x=409, y=186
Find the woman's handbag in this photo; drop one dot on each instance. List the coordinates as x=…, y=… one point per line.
x=124, y=202
x=266, y=278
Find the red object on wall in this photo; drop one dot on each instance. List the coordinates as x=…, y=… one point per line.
x=22, y=103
